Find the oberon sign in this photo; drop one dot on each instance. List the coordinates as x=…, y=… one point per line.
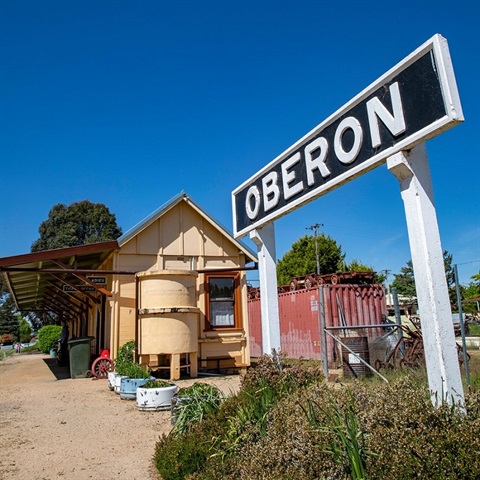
x=414, y=101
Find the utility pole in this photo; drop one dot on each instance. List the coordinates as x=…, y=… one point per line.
x=315, y=228
x=386, y=279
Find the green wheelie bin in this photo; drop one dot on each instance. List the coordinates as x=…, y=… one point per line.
x=79, y=353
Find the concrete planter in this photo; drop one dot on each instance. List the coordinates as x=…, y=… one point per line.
x=111, y=379
x=128, y=387
x=155, y=399
x=117, y=383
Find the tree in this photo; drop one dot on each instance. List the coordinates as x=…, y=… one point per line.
x=357, y=266
x=8, y=318
x=405, y=280
x=472, y=290
x=24, y=330
x=301, y=258
x=80, y=223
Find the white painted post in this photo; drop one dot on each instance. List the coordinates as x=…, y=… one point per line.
x=443, y=370
x=264, y=239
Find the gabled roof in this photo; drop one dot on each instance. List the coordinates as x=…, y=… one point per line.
x=183, y=197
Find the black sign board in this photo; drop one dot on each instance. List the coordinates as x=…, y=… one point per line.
x=414, y=101
x=81, y=288
x=98, y=280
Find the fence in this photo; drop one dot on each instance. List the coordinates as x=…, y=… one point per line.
x=345, y=306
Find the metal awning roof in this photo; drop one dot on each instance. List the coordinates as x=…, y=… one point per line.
x=56, y=280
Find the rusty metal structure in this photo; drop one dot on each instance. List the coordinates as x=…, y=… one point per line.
x=350, y=310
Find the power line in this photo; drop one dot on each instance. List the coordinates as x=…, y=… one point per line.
x=467, y=263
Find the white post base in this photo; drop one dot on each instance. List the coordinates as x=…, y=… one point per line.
x=443, y=370
x=264, y=239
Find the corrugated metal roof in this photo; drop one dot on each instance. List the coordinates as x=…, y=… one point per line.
x=36, y=280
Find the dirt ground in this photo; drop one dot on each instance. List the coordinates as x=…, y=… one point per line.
x=55, y=427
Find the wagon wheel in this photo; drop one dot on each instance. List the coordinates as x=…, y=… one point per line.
x=334, y=279
x=101, y=366
x=309, y=281
x=293, y=284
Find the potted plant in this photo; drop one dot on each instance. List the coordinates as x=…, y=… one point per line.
x=135, y=375
x=155, y=395
x=191, y=404
x=123, y=360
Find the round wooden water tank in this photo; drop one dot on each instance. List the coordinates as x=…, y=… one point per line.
x=167, y=312
x=169, y=332
x=167, y=288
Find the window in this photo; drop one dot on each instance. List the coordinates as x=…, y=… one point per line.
x=223, y=301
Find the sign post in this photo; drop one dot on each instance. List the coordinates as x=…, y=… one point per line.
x=441, y=358
x=264, y=239
x=391, y=119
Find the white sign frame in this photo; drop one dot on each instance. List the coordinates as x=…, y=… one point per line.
x=438, y=47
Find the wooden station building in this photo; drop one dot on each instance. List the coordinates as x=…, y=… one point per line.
x=175, y=283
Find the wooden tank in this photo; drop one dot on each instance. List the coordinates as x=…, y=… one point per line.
x=168, y=319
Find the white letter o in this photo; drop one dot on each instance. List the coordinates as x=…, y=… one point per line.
x=353, y=124
x=255, y=193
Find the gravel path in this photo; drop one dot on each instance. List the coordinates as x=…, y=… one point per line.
x=55, y=427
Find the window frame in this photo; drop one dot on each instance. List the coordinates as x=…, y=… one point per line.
x=237, y=317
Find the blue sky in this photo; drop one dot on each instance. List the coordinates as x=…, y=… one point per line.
x=129, y=102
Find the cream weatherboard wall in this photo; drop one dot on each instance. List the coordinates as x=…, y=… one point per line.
x=180, y=236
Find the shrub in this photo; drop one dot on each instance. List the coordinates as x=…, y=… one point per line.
x=134, y=370
x=281, y=374
x=124, y=356
x=156, y=384
x=180, y=457
x=193, y=404
x=271, y=430
x=7, y=339
x=48, y=337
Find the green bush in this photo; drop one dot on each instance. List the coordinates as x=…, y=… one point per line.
x=180, y=457
x=286, y=426
x=48, y=337
x=157, y=384
x=124, y=356
x=193, y=404
x=124, y=364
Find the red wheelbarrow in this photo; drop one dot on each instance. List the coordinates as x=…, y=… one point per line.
x=102, y=365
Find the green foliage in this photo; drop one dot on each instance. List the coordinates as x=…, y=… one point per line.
x=156, y=384
x=48, y=337
x=124, y=356
x=9, y=323
x=363, y=429
x=474, y=330
x=404, y=282
x=80, y=223
x=124, y=364
x=301, y=258
x=472, y=290
x=25, y=330
x=347, y=444
x=285, y=375
x=356, y=266
x=193, y=404
x=177, y=460
x=134, y=370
